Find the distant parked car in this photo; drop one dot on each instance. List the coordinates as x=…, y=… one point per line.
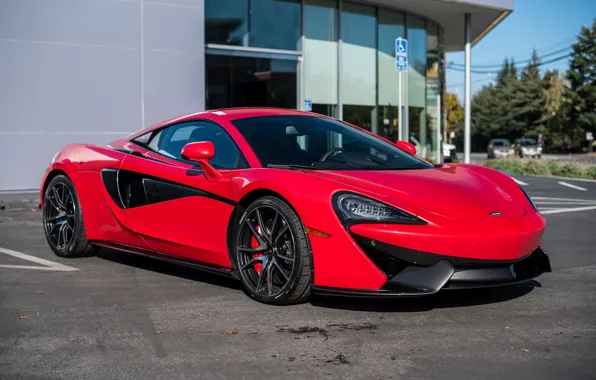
x=527, y=147
x=499, y=148
x=449, y=152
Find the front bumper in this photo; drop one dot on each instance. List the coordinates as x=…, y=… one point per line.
x=414, y=273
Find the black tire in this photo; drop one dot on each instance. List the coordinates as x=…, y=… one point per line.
x=284, y=238
x=63, y=223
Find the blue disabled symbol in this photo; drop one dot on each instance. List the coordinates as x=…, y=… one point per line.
x=400, y=47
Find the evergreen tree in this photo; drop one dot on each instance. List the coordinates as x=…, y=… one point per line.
x=555, y=110
x=503, y=75
x=530, y=100
x=582, y=83
x=512, y=69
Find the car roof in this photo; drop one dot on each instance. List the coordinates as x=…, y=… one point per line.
x=226, y=113
x=245, y=112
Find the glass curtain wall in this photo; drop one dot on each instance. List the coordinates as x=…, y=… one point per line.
x=359, y=65
x=320, y=55
x=391, y=26
x=417, y=84
x=361, y=74
x=226, y=22
x=433, y=108
x=272, y=24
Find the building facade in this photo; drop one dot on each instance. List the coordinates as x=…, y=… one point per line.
x=91, y=71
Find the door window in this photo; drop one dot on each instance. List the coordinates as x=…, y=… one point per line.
x=170, y=141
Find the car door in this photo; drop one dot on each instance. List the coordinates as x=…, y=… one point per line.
x=170, y=201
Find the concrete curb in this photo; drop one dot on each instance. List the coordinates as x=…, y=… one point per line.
x=23, y=204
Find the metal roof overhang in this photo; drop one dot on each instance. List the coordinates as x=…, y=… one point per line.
x=449, y=14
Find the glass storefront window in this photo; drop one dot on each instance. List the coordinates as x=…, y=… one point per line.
x=226, y=22
x=233, y=81
x=391, y=26
x=417, y=84
x=359, y=55
x=432, y=89
x=368, y=81
x=320, y=54
x=275, y=24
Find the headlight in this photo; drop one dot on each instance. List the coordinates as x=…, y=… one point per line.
x=529, y=199
x=353, y=208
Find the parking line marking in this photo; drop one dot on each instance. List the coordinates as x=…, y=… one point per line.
x=571, y=186
x=26, y=267
x=49, y=265
x=563, y=199
x=563, y=203
x=574, y=209
x=519, y=182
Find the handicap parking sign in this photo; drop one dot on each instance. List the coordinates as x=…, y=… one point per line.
x=308, y=105
x=401, y=54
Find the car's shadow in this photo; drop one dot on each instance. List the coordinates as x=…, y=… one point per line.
x=170, y=269
x=444, y=299
x=441, y=300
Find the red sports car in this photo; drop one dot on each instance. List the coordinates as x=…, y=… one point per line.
x=293, y=203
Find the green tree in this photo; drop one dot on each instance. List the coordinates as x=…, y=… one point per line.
x=504, y=74
x=455, y=111
x=529, y=103
x=582, y=83
x=555, y=110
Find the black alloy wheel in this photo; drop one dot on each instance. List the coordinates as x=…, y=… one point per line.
x=272, y=254
x=62, y=219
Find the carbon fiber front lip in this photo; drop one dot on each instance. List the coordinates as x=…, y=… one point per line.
x=415, y=281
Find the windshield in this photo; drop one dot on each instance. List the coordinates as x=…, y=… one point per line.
x=500, y=143
x=527, y=142
x=321, y=143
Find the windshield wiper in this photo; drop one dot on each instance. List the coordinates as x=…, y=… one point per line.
x=290, y=166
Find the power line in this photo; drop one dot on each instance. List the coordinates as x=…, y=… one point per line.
x=497, y=71
x=518, y=62
x=567, y=40
x=472, y=82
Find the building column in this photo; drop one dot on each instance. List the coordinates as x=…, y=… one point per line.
x=467, y=90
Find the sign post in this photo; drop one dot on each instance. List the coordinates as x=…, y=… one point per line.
x=401, y=65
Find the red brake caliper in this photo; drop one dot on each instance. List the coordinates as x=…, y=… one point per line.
x=254, y=244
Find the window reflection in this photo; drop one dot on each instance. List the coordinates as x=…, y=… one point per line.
x=417, y=84
x=432, y=88
x=226, y=22
x=320, y=54
x=359, y=59
x=247, y=82
x=275, y=24
x=391, y=26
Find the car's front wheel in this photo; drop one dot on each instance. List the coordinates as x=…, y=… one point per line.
x=63, y=220
x=272, y=254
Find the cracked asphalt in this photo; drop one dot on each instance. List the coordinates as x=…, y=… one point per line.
x=125, y=317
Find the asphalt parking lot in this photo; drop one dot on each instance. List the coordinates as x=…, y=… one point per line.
x=115, y=316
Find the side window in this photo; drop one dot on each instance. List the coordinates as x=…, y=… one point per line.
x=170, y=141
x=142, y=140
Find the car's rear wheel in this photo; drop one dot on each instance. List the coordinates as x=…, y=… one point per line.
x=63, y=220
x=271, y=253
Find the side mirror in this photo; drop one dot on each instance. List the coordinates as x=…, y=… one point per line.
x=407, y=146
x=201, y=152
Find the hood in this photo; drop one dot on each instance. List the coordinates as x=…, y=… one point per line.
x=451, y=191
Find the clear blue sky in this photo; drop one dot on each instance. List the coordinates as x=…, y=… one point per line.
x=546, y=25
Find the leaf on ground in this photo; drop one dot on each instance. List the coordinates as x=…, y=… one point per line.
x=25, y=316
x=229, y=332
x=525, y=350
x=507, y=327
x=158, y=331
x=39, y=292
